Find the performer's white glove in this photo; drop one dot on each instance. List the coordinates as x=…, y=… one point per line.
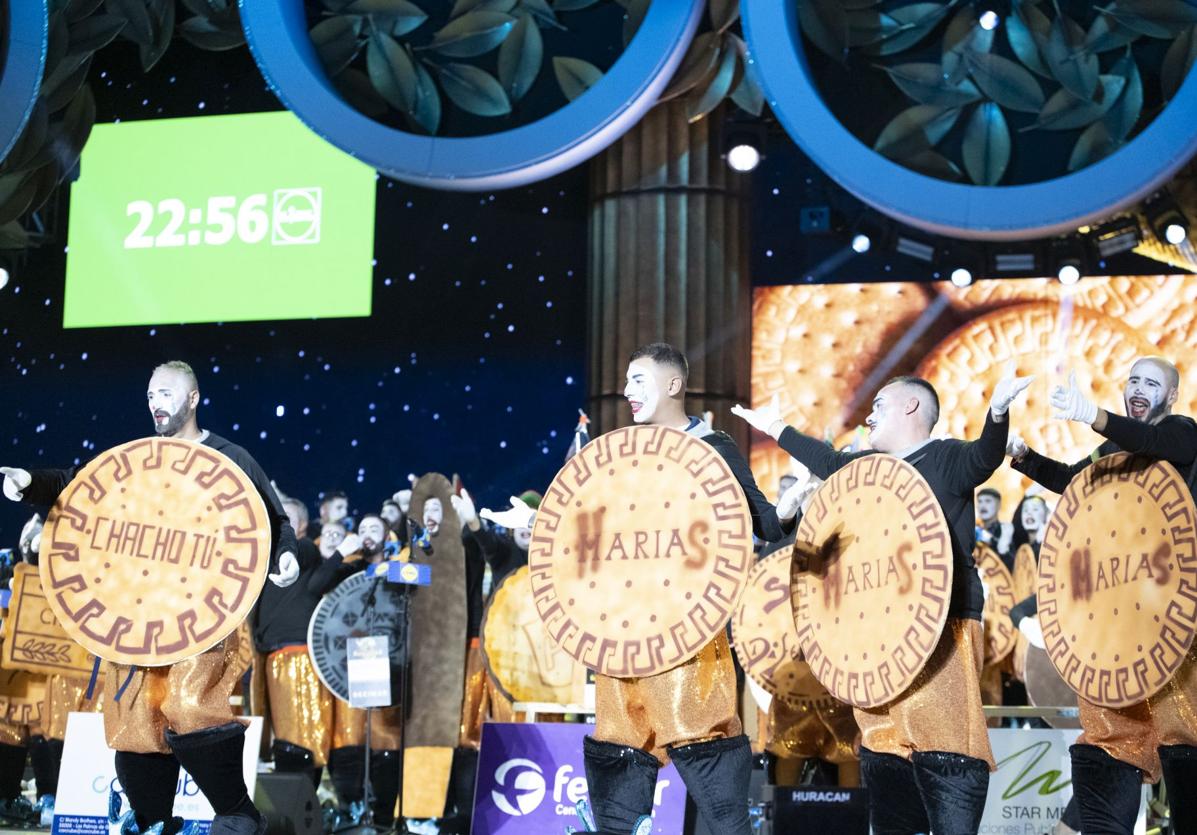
x=766, y=419
x=466, y=512
x=1007, y=390
x=795, y=496
x=15, y=482
x=288, y=570
x=984, y=590
x=1016, y=447
x=35, y=544
x=1071, y=404
x=1032, y=631
x=519, y=516
x=350, y=545
x=403, y=499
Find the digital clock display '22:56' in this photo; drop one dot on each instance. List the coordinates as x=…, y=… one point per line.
x=288, y=216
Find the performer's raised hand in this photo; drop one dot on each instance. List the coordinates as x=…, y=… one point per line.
x=350, y=545
x=288, y=570
x=1016, y=447
x=795, y=498
x=15, y=482
x=1032, y=631
x=1071, y=403
x=766, y=419
x=466, y=512
x=519, y=516
x=403, y=499
x=1007, y=390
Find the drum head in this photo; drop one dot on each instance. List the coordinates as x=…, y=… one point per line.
x=1000, y=634
x=872, y=579
x=641, y=549
x=763, y=633
x=155, y=552
x=1045, y=688
x=1118, y=579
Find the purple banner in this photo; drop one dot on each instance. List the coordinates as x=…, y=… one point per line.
x=531, y=775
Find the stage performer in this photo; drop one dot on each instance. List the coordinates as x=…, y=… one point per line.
x=178, y=714
x=1118, y=750
x=687, y=714
x=925, y=756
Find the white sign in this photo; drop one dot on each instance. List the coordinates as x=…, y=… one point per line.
x=369, y=671
x=1033, y=782
x=89, y=774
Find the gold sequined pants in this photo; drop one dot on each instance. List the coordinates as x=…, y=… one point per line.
x=22, y=705
x=349, y=727
x=693, y=702
x=63, y=697
x=1133, y=734
x=941, y=710
x=301, y=707
x=186, y=697
x=825, y=729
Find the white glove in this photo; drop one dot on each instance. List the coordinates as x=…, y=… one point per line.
x=519, y=516
x=15, y=482
x=1032, y=631
x=1007, y=390
x=35, y=544
x=1016, y=447
x=984, y=590
x=464, y=506
x=403, y=499
x=1071, y=404
x=288, y=570
x=350, y=545
x=794, y=497
x=766, y=419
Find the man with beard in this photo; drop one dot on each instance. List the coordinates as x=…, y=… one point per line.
x=641, y=723
x=189, y=699
x=991, y=530
x=1120, y=749
x=924, y=773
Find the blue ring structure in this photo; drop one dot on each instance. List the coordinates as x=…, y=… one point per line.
x=278, y=37
x=1051, y=207
x=25, y=61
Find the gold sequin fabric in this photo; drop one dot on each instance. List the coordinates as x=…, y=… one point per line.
x=474, y=705
x=941, y=710
x=65, y=696
x=825, y=729
x=1133, y=734
x=349, y=727
x=301, y=707
x=693, y=702
x=185, y=697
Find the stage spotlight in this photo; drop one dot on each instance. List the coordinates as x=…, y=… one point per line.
x=989, y=20
x=1069, y=273
x=962, y=277
x=861, y=243
x=743, y=158
x=4, y=276
x=1167, y=221
x=1069, y=259
x=1176, y=232
x=743, y=145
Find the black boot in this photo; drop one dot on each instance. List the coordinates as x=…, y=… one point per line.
x=895, y=804
x=213, y=758
x=149, y=782
x=1072, y=815
x=384, y=779
x=1180, y=779
x=622, y=782
x=953, y=789
x=45, y=769
x=716, y=774
x=461, y=792
x=12, y=769
x=1107, y=791
x=294, y=759
x=346, y=768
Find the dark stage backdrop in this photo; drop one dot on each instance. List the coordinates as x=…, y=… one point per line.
x=471, y=363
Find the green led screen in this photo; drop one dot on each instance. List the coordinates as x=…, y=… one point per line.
x=217, y=219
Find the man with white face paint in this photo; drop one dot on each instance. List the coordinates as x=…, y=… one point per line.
x=991, y=530
x=925, y=773
x=1120, y=749
x=192, y=700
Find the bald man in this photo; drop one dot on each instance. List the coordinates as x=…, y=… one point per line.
x=1121, y=749
x=925, y=756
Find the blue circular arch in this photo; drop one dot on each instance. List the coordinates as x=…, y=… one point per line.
x=278, y=37
x=21, y=75
x=1051, y=207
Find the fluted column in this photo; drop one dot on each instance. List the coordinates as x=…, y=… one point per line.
x=669, y=262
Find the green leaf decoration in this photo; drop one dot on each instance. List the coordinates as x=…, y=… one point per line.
x=723, y=13
x=1006, y=82
x=474, y=90
x=575, y=76
x=868, y=26
x=76, y=10
x=520, y=57
x=1064, y=111
x=65, y=81
x=986, y=146
x=94, y=33
x=1094, y=144
x=474, y=33
x=140, y=29
x=391, y=71
x=162, y=13
x=823, y=26
x=47, y=178
x=32, y=139
x=933, y=164
x=1124, y=115
x=399, y=16
x=1027, y=32
x=356, y=89
x=1066, y=57
x=13, y=236
x=203, y=33
x=1178, y=60
x=964, y=33
x=57, y=41
x=336, y=42
x=16, y=193
x=748, y=95
x=925, y=83
x=852, y=5
x=541, y=11
x=699, y=63
x=465, y=6
x=1106, y=34
x=77, y=122
x=1154, y=18
x=706, y=98
x=915, y=22
x=915, y=129
x=572, y=5
x=636, y=11
x=428, y=101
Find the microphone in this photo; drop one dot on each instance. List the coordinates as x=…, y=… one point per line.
x=420, y=537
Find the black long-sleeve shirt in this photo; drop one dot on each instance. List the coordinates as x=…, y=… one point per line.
x=501, y=554
x=282, y=615
x=765, y=523
x=953, y=469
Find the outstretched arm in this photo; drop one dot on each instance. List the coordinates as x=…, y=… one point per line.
x=812, y=453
